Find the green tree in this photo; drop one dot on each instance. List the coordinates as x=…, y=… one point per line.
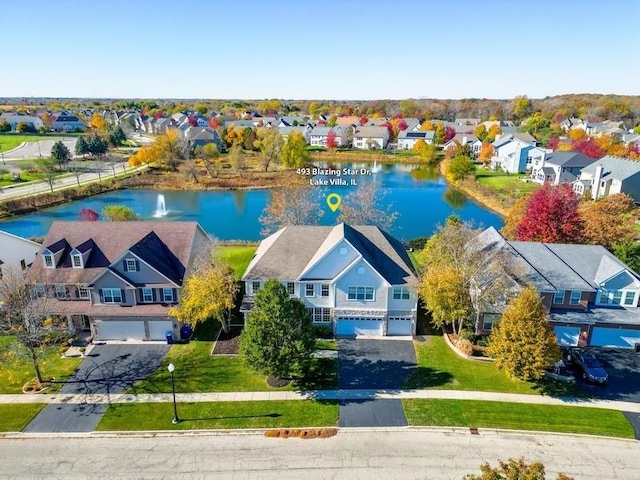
x=118, y=213
x=521, y=107
x=115, y=135
x=236, y=158
x=513, y=470
x=294, y=152
x=458, y=167
x=60, y=153
x=81, y=147
x=96, y=145
x=5, y=126
x=523, y=343
x=278, y=338
x=270, y=144
x=208, y=292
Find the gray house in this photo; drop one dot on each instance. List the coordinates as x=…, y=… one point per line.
x=358, y=280
x=68, y=123
x=608, y=176
x=591, y=297
x=557, y=168
x=117, y=279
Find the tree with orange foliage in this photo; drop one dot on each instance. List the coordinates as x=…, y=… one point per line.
x=97, y=122
x=609, y=220
x=486, y=153
x=576, y=134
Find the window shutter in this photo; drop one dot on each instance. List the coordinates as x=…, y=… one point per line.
x=140, y=296
x=137, y=266
x=175, y=294
x=124, y=297
x=153, y=294
x=101, y=296
x=124, y=265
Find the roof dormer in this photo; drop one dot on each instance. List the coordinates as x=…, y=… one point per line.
x=77, y=261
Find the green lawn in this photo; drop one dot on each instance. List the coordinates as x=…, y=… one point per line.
x=7, y=178
x=13, y=418
x=197, y=371
x=237, y=256
x=259, y=414
x=16, y=369
x=324, y=344
x=517, y=416
x=9, y=141
x=439, y=367
x=500, y=181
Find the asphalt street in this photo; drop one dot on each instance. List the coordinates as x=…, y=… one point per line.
x=352, y=454
x=41, y=148
x=373, y=364
x=109, y=369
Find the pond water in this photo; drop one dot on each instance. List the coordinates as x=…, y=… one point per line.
x=422, y=199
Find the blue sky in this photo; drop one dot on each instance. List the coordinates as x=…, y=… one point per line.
x=347, y=49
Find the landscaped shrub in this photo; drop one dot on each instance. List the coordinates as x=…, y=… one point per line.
x=466, y=335
x=322, y=331
x=465, y=346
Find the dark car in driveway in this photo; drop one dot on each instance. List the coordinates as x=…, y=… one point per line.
x=588, y=366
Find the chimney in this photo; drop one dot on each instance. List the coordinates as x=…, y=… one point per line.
x=595, y=184
x=464, y=140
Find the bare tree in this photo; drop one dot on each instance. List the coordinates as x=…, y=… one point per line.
x=296, y=205
x=27, y=315
x=364, y=206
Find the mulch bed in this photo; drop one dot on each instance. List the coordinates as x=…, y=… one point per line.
x=227, y=343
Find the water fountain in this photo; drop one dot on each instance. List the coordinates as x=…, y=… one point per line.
x=161, y=207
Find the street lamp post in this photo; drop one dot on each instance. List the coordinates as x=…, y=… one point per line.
x=171, y=367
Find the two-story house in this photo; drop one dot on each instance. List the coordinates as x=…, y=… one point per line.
x=515, y=153
x=319, y=134
x=358, y=280
x=591, y=297
x=608, y=176
x=16, y=253
x=557, y=168
x=367, y=138
x=117, y=279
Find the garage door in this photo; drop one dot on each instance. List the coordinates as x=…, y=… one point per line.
x=128, y=330
x=614, y=337
x=567, y=336
x=400, y=326
x=158, y=330
x=351, y=327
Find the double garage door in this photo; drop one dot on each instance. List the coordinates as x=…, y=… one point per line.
x=133, y=330
x=353, y=327
x=614, y=337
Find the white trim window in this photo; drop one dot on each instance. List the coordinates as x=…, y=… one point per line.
x=324, y=290
x=489, y=321
x=615, y=297
x=40, y=290
x=320, y=315
x=83, y=292
x=575, y=297
x=167, y=295
x=558, y=297
x=629, y=298
x=366, y=294
x=76, y=260
x=48, y=260
x=310, y=290
x=130, y=265
x=255, y=287
x=401, y=293
x=111, y=295
x=61, y=291
x=147, y=295
x=291, y=288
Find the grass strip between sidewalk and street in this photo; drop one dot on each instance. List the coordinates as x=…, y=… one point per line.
x=13, y=418
x=209, y=415
x=517, y=416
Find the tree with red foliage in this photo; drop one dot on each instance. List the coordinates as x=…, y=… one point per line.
x=449, y=133
x=192, y=121
x=158, y=114
x=588, y=147
x=554, y=141
x=363, y=120
x=331, y=139
x=88, y=215
x=551, y=215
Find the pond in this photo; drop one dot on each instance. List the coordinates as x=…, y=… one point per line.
x=422, y=199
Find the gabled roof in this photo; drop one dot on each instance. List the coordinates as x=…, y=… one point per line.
x=291, y=251
x=371, y=132
x=568, y=159
x=418, y=134
x=166, y=246
x=614, y=167
x=323, y=131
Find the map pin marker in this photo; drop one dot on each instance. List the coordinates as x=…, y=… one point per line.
x=334, y=200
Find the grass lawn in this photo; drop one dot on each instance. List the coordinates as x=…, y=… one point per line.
x=500, y=181
x=324, y=344
x=16, y=369
x=237, y=256
x=7, y=178
x=517, y=416
x=439, y=367
x=9, y=141
x=260, y=414
x=13, y=418
x=197, y=371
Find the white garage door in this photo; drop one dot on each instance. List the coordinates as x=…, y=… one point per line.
x=352, y=327
x=158, y=330
x=614, y=337
x=128, y=330
x=567, y=336
x=399, y=326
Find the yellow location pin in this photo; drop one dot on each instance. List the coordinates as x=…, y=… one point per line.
x=334, y=201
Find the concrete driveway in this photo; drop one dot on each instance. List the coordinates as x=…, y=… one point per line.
x=374, y=364
x=106, y=369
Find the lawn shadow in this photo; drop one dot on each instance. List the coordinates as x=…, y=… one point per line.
x=427, y=377
x=266, y=415
x=558, y=388
x=322, y=375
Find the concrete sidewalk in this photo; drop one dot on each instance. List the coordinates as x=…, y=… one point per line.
x=61, y=398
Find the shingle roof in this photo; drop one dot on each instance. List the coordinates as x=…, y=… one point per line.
x=568, y=159
x=366, y=132
x=288, y=253
x=167, y=246
x=614, y=167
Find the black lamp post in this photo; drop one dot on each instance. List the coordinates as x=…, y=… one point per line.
x=171, y=367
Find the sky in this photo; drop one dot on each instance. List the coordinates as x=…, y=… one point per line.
x=342, y=50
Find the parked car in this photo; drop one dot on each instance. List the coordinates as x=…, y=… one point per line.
x=589, y=366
